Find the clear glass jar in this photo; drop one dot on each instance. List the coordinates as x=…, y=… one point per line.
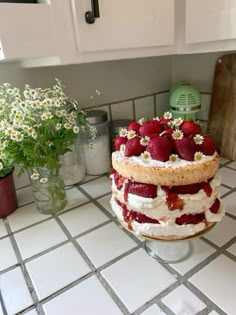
x=97, y=150
x=72, y=164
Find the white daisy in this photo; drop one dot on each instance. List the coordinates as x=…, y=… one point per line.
x=198, y=139
x=177, y=121
x=198, y=156
x=43, y=180
x=177, y=134
x=34, y=176
x=167, y=115
x=173, y=157
x=123, y=132
x=145, y=155
x=145, y=140
x=131, y=134
x=58, y=126
x=76, y=129
x=67, y=125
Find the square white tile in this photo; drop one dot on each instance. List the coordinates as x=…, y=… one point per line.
x=223, y=160
x=122, y=110
x=213, y=313
x=217, y=275
x=39, y=238
x=205, y=106
x=24, y=196
x=232, y=249
x=75, y=198
x=183, y=302
x=14, y=291
x=154, y=310
x=25, y=216
x=228, y=176
x=22, y=180
x=83, y=218
x=3, y=230
x=222, y=232
x=232, y=164
x=201, y=251
x=144, y=107
x=230, y=203
x=223, y=190
x=137, y=278
x=105, y=202
x=56, y=269
x=97, y=187
x=8, y=258
x=105, y=244
x=162, y=103
x=88, y=297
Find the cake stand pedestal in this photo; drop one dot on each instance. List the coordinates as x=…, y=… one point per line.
x=170, y=252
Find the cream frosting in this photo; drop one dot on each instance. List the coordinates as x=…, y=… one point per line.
x=157, y=208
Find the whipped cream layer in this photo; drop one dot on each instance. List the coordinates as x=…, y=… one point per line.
x=138, y=160
x=156, y=208
x=165, y=228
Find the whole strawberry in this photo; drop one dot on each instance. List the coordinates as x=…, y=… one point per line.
x=119, y=141
x=160, y=148
x=190, y=128
x=150, y=128
x=207, y=147
x=133, y=126
x=185, y=148
x=133, y=147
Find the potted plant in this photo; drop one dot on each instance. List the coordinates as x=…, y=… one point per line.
x=38, y=126
x=8, y=200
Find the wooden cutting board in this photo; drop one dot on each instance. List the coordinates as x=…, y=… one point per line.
x=222, y=115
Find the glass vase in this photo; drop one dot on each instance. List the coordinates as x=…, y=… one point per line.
x=48, y=189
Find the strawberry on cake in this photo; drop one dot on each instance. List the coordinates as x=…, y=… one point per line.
x=164, y=179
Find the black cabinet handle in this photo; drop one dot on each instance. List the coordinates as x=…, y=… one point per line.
x=90, y=16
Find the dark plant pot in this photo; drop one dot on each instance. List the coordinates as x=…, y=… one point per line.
x=8, y=200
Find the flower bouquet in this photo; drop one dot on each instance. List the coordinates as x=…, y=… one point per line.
x=38, y=126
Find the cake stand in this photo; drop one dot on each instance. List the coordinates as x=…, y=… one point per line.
x=170, y=252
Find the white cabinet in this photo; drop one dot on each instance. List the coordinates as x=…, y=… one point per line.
x=125, y=29
x=209, y=25
x=26, y=30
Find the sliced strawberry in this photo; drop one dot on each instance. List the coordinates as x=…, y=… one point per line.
x=190, y=128
x=185, y=148
x=150, y=128
x=160, y=148
x=143, y=190
x=207, y=188
x=207, y=147
x=215, y=206
x=133, y=147
x=190, y=218
x=142, y=218
x=119, y=180
x=174, y=202
x=186, y=189
x=119, y=141
x=133, y=126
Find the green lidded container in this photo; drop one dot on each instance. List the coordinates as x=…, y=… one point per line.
x=185, y=101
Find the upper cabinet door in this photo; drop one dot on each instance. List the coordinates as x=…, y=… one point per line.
x=26, y=31
x=210, y=20
x=124, y=24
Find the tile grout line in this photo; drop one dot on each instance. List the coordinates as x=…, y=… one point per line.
x=93, y=268
x=24, y=271
x=2, y=304
x=155, y=105
x=134, y=110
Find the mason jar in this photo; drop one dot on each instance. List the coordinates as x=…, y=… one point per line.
x=72, y=164
x=97, y=151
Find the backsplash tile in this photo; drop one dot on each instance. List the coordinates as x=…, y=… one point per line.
x=122, y=110
x=162, y=103
x=144, y=107
x=205, y=106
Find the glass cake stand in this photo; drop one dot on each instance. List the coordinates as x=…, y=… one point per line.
x=170, y=252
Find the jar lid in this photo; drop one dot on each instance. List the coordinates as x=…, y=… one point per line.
x=96, y=116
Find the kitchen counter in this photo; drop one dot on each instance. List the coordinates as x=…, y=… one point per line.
x=82, y=262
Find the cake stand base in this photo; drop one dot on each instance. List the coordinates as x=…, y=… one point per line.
x=169, y=252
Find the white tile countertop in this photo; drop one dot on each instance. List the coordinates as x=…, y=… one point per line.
x=82, y=262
